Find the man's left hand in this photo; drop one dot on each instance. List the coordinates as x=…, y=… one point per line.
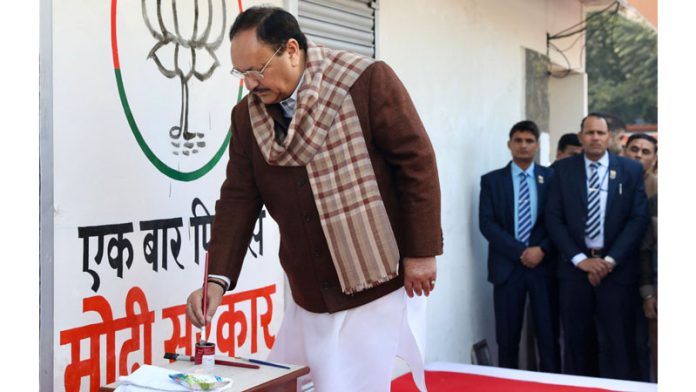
x=595, y=279
x=419, y=275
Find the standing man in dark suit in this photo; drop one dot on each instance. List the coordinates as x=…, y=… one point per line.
x=596, y=215
x=568, y=145
x=511, y=212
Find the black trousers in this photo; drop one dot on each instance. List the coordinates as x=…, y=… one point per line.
x=509, y=301
x=599, y=322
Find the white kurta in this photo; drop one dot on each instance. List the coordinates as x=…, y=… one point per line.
x=354, y=350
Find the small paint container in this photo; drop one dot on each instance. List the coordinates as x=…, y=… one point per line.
x=205, y=354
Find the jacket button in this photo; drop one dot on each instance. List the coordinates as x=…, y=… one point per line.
x=301, y=182
x=325, y=285
x=317, y=253
x=308, y=218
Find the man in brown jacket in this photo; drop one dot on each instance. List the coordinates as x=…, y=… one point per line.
x=331, y=143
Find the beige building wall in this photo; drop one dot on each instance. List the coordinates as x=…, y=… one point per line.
x=568, y=102
x=463, y=63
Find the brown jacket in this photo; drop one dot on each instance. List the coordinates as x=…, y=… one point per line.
x=404, y=164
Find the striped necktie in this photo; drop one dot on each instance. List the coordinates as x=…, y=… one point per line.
x=593, y=223
x=524, y=211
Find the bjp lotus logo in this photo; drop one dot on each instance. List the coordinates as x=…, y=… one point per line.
x=168, y=56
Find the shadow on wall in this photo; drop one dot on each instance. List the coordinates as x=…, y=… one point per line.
x=479, y=244
x=482, y=314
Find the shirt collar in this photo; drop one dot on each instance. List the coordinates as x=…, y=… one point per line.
x=516, y=170
x=289, y=104
x=603, y=161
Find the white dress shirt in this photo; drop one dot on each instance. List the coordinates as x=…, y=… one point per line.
x=603, y=173
x=289, y=104
x=531, y=184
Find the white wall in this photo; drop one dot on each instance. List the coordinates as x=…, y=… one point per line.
x=96, y=72
x=568, y=101
x=463, y=63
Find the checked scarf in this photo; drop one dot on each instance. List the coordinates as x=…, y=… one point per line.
x=325, y=136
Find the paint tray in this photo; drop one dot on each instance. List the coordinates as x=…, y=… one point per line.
x=201, y=381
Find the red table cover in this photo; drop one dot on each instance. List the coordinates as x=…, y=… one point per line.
x=453, y=381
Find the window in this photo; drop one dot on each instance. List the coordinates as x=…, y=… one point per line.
x=340, y=24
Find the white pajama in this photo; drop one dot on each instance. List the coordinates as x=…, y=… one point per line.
x=354, y=349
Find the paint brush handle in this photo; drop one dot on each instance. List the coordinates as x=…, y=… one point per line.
x=182, y=357
x=267, y=363
x=205, y=299
x=236, y=364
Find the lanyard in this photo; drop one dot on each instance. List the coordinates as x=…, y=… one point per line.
x=601, y=182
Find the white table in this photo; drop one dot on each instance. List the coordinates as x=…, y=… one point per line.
x=266, y=378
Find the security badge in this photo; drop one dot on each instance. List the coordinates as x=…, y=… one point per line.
x=612, y=176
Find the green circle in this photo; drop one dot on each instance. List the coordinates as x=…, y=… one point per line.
x=161, y=166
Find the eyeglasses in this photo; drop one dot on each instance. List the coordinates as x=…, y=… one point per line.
x=258, y=75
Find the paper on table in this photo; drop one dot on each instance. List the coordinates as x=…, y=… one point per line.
x=154, y=378
x=147, y=378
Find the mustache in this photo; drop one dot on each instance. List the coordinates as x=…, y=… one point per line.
x=259, y=90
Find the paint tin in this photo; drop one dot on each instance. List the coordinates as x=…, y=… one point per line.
x=205, y=354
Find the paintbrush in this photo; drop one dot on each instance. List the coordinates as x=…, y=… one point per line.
x=205, y=301
x=182, y=357
x=264, y=362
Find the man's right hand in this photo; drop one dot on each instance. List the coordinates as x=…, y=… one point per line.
x=194, y=305
x=650, y=307
x=596, y=266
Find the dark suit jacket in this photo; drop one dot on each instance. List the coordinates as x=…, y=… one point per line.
x=626, y=216
x=497, y=222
